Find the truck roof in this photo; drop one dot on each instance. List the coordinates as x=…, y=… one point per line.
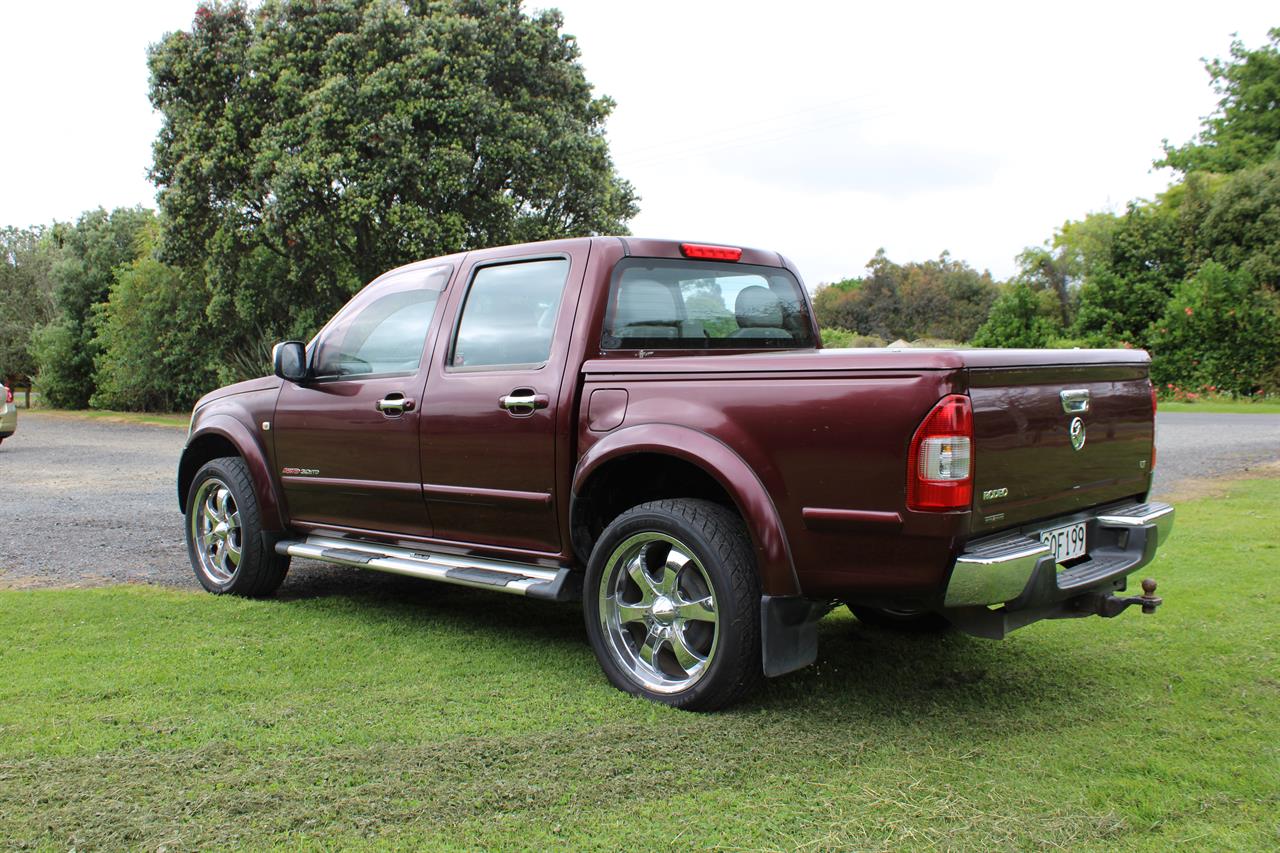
x=631, y=247
x=638, y=247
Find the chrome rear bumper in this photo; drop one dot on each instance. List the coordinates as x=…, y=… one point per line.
x=1004, y=569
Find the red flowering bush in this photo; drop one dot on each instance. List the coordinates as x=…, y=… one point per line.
x=1219, y=334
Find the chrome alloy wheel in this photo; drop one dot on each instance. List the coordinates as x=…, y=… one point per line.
x=658, y=612
x=216, y=532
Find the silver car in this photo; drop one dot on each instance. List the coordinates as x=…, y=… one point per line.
x=8, y=412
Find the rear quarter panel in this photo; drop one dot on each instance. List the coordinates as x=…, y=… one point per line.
x=831, y=440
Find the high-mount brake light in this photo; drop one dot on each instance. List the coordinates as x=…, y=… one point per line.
x=939, y=462
x=710, y=253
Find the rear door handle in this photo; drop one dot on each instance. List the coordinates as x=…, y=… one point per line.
x=394, y=405
x=523, y=401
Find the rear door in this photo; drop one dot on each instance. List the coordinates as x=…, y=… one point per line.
x=1052, y=440
x=347, y=439
x=488, y=424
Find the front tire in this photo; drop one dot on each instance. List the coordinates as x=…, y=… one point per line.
x=672, y=604
x=224, y=533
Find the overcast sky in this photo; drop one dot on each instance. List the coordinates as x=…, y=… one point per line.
x=822, y=130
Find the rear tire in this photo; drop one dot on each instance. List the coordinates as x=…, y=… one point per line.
x=906, y=621
x=672, y=604
x=224, y=533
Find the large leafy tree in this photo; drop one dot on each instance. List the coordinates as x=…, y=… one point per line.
x=308, y=147
x=944, y=298
x=1245, y=129
x=1239, y=225
x=1049, y=270
x=1131, y=269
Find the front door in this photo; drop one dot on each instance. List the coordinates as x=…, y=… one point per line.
x=347, y=439
x=489, y=420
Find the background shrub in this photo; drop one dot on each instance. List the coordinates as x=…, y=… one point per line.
x=150, y=339
x=843, y=339
x=1220, y=332
x=1017, y=319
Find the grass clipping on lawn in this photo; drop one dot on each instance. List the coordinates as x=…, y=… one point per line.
x=431, y=716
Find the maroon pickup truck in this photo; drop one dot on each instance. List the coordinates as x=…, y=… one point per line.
x=653, y=427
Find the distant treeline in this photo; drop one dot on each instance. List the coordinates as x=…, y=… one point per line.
x=1191, y=276
x=304, y=151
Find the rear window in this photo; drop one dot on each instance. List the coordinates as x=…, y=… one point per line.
x=667, y=304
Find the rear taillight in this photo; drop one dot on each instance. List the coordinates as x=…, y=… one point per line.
x=940, y=461
x=8, y=394
x=1153, y=426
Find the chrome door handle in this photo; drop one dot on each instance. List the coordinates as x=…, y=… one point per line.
x=523, y=401
x=394, y=405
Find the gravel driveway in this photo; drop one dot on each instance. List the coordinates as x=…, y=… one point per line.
x=89, y=502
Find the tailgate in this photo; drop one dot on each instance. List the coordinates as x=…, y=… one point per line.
x=1026, y=466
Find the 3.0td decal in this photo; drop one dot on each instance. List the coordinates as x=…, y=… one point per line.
x=300, y=472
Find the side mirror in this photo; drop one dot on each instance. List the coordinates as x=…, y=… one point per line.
x=289, y=361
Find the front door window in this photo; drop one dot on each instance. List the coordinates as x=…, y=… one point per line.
x=381, y=331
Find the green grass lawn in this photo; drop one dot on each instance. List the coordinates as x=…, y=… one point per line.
x=415, y=715
x=1224, y=406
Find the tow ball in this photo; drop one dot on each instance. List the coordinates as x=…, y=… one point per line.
x=1114, y=605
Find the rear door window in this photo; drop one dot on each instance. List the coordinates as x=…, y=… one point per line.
x=510, y=314
x=662, y=304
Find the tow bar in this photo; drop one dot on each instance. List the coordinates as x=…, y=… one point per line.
x=1114, y=605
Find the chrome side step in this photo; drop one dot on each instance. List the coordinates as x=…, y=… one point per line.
x=478, y=572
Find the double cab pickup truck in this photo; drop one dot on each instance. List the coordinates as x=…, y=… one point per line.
x=654, y=428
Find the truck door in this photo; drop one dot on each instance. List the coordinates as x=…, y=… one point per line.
x=488, y=422
x=347, y=439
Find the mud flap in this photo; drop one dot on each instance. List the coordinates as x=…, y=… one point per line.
x=789, y=632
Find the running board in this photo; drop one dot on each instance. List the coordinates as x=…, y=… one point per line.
x=478, y=572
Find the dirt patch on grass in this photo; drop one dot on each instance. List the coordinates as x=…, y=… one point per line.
x=14, y=581
x=168, y=421
x=1217, y=487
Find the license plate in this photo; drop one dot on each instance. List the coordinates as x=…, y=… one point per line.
x=1067, y=543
